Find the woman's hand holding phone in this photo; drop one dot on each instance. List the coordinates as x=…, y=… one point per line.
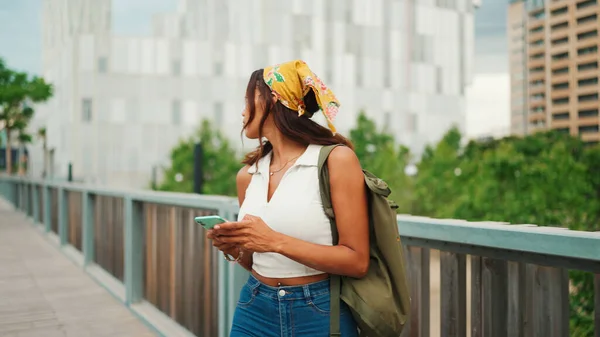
x=227, y=248
x=209, y=222
x=251, y=234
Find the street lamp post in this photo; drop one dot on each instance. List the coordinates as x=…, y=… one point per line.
x=198, y=172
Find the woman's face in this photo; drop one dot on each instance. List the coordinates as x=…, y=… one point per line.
x=252, y=129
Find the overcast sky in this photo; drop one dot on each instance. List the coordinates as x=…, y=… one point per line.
x=490, y=37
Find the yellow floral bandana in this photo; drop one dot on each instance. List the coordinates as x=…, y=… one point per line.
x=291, y=81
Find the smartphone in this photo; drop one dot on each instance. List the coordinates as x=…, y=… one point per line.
x=210, y=221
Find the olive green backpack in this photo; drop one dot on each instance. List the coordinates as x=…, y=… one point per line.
x=380, y=301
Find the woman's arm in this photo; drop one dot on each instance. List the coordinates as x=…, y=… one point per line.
x=348, y=194
x=350, y=256
x=242, y=180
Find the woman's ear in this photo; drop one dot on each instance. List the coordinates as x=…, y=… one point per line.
x=273, y=97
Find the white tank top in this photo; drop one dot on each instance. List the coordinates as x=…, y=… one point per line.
x=295, y=209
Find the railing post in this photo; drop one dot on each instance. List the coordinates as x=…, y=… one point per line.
x=223, y=289
x=233, y=276
x=18, y=199
x=420, y=291
x=87, y=223
x=36, y=204
x=134, y=258
x=25, y=198
x=597, y=305
x=13, y=193
x=22, y=196
x=46, y=210
x=453, y=271
x=29, y=196
x=62, y=216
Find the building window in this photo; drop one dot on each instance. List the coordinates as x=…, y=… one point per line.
x=439, y=79
x=536, y=70
x=562, y=130
x=102, y=65
x=412, y=122
x=449, y=4
x=560, y=11
x=588, y=98
x=586, y=19
x=349, y=14
x=538, y=97
x=561, y=25
x=537, y=43
x=536, y=83
x=218, y=68
x=558, y=101
x=176, y=112
x=537, y=56
x=359, y=71
x=586, y=4
x=560, y=116
x=559, y=86
x=588, y=129
x=560, y=41
x=423, y=48
x=86, y=110
x=536, y=30
x=587, y=66
x=218, y=114
x=588, y=113
x=561, y=56
x=538, y=15
x=538, y=109
x=538, y=124
x=176, y=67
x=587, y=35
x=559, y=71
x=587, y=50
x=588, y=81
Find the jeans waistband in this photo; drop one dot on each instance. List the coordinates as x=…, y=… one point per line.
x=289, y=293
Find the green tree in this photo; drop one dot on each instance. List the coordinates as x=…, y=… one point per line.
x=23, y=139
x=18, y=91
x=437, y=180
x=41, y=135
x=548, y=179
x=379, y=153
x=220, y=164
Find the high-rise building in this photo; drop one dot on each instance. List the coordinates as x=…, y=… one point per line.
x=122, y=103
x=560, y=55
x=517, y=51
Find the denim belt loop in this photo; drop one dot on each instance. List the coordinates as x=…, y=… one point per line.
x=254, y=287
x=306, y=290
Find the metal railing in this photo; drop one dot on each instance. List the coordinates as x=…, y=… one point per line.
x=467, y=278
x=142, y=246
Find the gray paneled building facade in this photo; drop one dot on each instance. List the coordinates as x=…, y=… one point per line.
x=123, y=102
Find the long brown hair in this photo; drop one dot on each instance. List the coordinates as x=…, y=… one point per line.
x=301, y=129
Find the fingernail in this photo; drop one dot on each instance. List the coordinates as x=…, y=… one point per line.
x=217, y=227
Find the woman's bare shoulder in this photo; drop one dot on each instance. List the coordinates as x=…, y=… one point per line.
x=344, y=160
x=243, y=177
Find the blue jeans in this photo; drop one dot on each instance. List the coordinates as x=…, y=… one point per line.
x=291, y=311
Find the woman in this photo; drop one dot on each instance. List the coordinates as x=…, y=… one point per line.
x=283, y=236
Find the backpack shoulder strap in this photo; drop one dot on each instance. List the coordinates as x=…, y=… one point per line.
x=324, y=186
x=335, y=280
